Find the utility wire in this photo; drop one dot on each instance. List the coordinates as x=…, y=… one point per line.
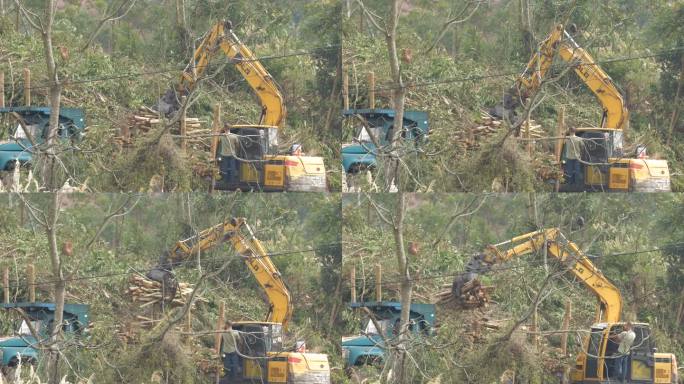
x=66, y=82
x=17, y=283
x=534, y=263
x=553, y=67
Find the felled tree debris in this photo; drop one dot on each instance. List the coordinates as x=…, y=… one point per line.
x=149, y=292
x=469, y=295
x=489, y=125
x=547, y=168
x=146, y=119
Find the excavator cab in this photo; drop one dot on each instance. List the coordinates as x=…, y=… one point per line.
x=267, y=360
x=597, y=363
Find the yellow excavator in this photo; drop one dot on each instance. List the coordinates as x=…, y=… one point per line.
x=594, y=364
x=248, y=157
x=604, y=164
x=267, y=360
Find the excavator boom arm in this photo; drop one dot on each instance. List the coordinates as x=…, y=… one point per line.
x=221, y=37
x=266, y=274
x=568, y=253
x=254, y=255
x=615, y=114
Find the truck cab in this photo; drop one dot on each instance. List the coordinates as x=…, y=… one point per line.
x=17, y=139
x=368, y=347
x=19, y=345
x=379, y=123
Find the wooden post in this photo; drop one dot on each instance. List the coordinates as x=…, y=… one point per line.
x=27, y=87
x=566, y=325
x=215, y=130
x=559, y=141
x=5, y=285
x=183, y=126
x=378, y=282
x=345, y=89
x=2, y=89
x=31, y=281
x=528, y=136
x=219, y=326
x=535, y=329
x=188, y=324
x=352, y=283
x=371, y=90
x=125, y=133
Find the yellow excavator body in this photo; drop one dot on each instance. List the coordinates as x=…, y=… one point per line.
x=263, y=169
x=614, y=171
x=284, y=173
x=266, y=359
x=593, y=363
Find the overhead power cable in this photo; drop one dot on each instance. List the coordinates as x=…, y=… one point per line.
x=17, y=283
x=527, y=263
x=517, y=73
x=67, y=82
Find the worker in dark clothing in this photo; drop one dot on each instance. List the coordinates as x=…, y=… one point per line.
x=229, y=347
x=574, y=146
x=227, y=154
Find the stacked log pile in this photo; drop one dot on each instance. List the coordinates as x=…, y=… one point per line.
x=149, y=292
x=473, y=295
x=471, y=138
x=146, y=119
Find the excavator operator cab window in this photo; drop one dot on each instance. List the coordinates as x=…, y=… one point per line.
x=617, y=149
x=593, y=351
x=596, y=147
x=252, y=143
x=258, y=339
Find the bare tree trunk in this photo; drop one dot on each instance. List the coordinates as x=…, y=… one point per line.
x=54, y=96
x=675, y=110
x=406, y=287
x=181, y=24
x=526, y=27
x=59, y=290
x=398, y=96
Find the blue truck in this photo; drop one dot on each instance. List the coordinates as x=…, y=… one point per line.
x=17, y=140
x=361, y=154
x=20, y=345
x=368, y=347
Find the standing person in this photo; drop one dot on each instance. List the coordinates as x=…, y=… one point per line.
x=626, y=339
x=573, y=155
x=227, y=152
x=229, y=348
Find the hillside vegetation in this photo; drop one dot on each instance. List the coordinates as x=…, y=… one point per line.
x=457, y=75
x=134, y=59
x=303, y=235
x=628, y=237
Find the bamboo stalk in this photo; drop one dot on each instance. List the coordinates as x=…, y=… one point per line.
x=31, y=281
x=27, y=87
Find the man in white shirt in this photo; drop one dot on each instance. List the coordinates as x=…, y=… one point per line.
x=626, y=339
